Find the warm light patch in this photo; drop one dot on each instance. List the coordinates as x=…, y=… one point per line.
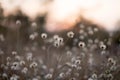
x=63, y=14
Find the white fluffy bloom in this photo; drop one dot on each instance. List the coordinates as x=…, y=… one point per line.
x=33, y=65
x=81, y=44
x=15, y=66
x=70, y=34
x=48, y=76
x=24, y=70
x=43, y=35
x=14, y=77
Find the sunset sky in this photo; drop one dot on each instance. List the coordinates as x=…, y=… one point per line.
x=64, y=14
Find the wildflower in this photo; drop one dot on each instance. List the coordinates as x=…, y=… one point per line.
x=56, y=44
x=95, y=29
x=6, y=67
x=2, y=38
x=102, y=46
x=43, y=35
x=18, y=22
x=81, y=44
x=14, y=77
x=90, y=32
x=29, y=54
x=34, y=24
x=89, y=28
x=90, y=79
x=15, y=66
x=69, y=53
x=2, y=65
x=81, y=31
x=72, y=79
x=33, y=36
x=40, y=61
x=33, y=65
x=60, y=40
x=90, y=41
x=1, y=52
x=55, y=37
x=29, y=57
x=24, y=70
x=44, y=67
x=82, y=26
x=103, y=52
x=74, y=66
x=8, y=59
x=14, y=53
x=94, y=76
x=35, y=79
x=48, y=76
x=73, y=59
x=4, y=75
x=17, y=58
x=79, y=68
x=22, y=62
x=113, y=68
x=62, y=75
x=96, y=40
x=111, y=61
x=70, y=34
x=81, y=37
x=8, y=63
x=77, y=62
x=110, y=77
x=51, y=70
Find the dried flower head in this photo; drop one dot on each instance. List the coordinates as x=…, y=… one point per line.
x=44, y=36
x=70, y=34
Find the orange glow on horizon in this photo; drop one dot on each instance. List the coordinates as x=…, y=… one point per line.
x=63, y=14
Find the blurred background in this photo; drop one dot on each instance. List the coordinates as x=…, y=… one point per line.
x=70, y=48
